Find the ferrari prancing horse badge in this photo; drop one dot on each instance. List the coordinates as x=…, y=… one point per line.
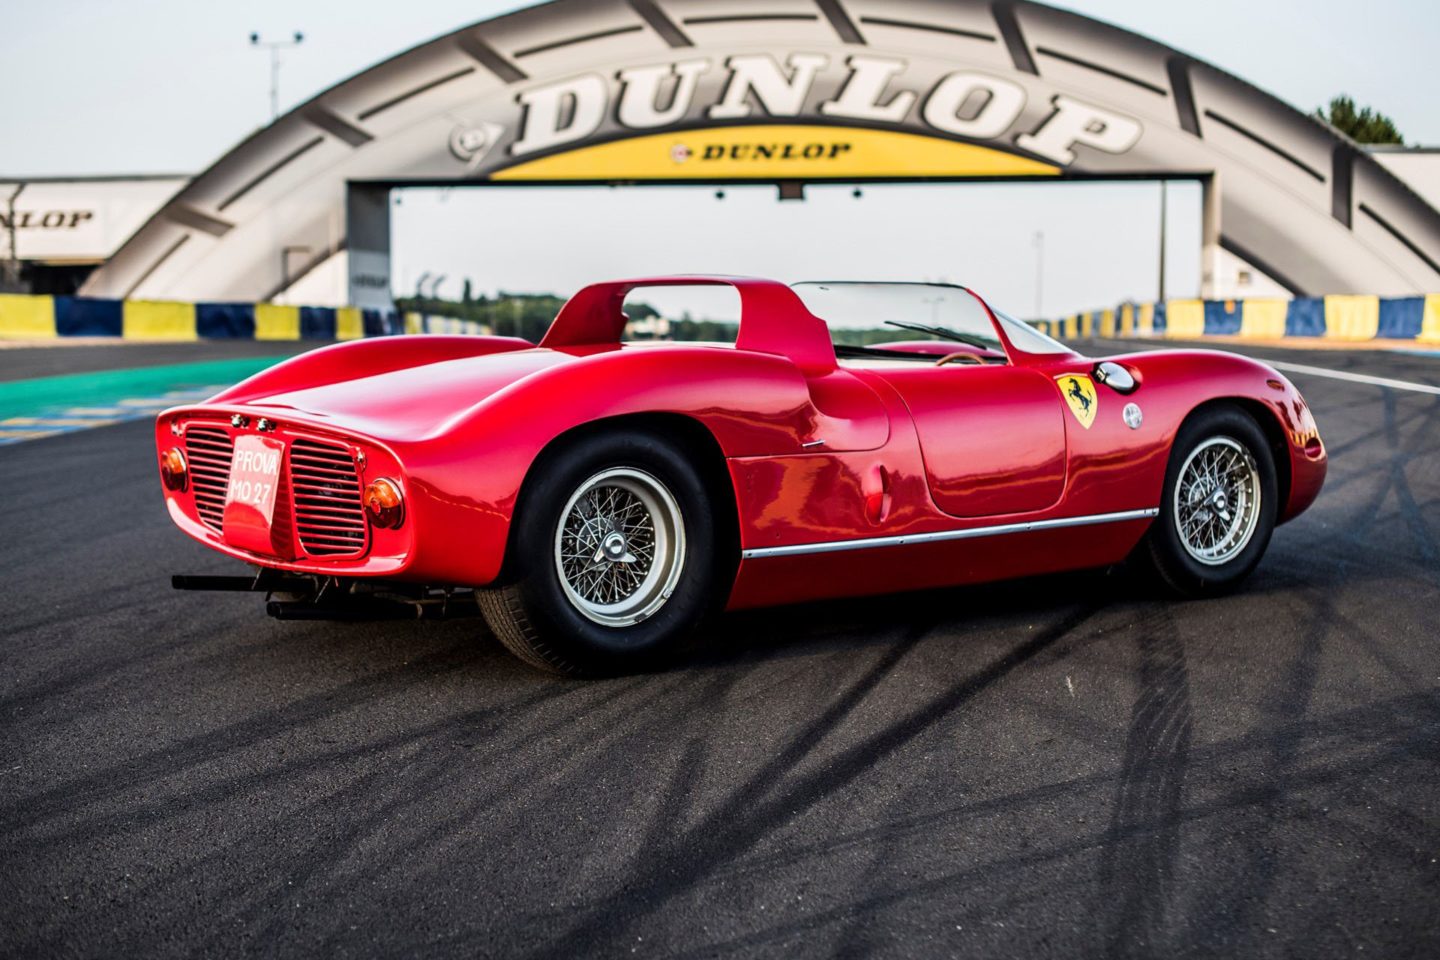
x=1079, y=392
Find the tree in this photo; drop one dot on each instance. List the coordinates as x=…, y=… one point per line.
x=1363, y=125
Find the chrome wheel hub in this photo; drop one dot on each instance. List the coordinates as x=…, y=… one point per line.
x=613, y=549
x=620, y=547
x=1217, y=501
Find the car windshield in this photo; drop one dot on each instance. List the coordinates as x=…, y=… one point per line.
x=873, y=314
x=1027, y=338
x=863, y=314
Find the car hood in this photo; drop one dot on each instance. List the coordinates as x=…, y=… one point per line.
x=413, y=402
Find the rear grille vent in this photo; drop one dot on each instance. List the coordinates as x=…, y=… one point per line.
x=329, y=517
x=209, y=451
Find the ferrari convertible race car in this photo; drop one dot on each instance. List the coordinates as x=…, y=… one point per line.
x=597, y=499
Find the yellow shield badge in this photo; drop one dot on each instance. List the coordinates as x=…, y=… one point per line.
x=1079, y=392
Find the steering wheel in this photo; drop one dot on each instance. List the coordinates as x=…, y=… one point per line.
x=958, y=358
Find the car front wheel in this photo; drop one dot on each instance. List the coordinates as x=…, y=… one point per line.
x=1219, y=505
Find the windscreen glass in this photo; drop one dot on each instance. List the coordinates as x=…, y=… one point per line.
x=1027, y=338
x=864, y=314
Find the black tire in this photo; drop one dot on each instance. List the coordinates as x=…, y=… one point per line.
x=1163, y=550
x=542, y=622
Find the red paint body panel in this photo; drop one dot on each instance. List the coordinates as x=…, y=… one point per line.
x=817, y=451
x=778, y=580
x=993, y=437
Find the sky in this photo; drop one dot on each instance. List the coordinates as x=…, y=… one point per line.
x=957, y=233
x=167, y=86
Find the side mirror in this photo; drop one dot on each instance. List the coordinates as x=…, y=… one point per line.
x=1114, y=376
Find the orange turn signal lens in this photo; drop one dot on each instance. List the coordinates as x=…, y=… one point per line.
x=173, y=470
x=384, y=504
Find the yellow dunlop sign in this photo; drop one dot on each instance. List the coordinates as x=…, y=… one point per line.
x=776, y=151
x=1079, y=392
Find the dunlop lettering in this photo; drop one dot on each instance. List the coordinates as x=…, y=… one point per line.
x=964, y=103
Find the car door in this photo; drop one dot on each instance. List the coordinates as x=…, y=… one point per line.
x=992, y=437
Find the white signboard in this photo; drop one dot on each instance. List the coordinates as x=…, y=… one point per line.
x=78, y=221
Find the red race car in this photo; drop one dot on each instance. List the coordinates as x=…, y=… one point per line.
x=601, y=498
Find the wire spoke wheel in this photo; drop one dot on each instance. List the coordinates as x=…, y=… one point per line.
x=620, y=546
x=1217, y=501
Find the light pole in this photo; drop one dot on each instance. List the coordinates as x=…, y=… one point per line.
x=275, y=46
x=1164, y=209
x=1039, y=274
x=12, y=263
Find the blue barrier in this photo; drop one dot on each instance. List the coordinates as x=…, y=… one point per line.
x=83, y=317
x=1338, y=317
x=1402, y=318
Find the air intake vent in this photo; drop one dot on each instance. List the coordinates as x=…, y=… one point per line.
x=329, y=517
x=209, y=451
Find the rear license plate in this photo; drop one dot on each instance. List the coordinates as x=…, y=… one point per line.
x=250, y=498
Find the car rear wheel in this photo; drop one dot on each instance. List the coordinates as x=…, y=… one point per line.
x=1219, y=505
x=612, y=558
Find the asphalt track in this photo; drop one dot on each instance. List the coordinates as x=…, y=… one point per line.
x=1053, y=768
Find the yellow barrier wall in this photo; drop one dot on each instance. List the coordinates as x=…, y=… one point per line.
x=1145, y=323
x=276, y=322
x=1263, y=319
x=158, y=320
x=1185, y=319
x=1430, y=322
x=1352, y=317
x=349, y=323
x=25, y=317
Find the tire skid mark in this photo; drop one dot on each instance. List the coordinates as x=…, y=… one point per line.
x=141, y=772
x=1416, y=745
x=422, y=764
x=1326, y=612
x=1362, y=726
x=1360, y=729
x=757, y=808
x=1347, y=467
x=1137, y=866
x=1244, y=901
x=1419, y=416
x=436, y=735
x=1401, y=450
x=1410, y=512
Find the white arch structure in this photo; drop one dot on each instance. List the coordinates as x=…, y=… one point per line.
x=792, y=90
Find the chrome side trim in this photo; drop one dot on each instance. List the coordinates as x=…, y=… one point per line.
x=835, y=546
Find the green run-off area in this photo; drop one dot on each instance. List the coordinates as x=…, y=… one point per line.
x=26, y=398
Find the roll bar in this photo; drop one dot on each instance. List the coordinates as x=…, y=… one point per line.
x=773, y=319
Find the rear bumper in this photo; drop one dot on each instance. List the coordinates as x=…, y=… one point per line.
x=367, y=566
x=313, y=530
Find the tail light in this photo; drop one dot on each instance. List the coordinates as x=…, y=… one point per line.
x=173, y=470
x=384, y=504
